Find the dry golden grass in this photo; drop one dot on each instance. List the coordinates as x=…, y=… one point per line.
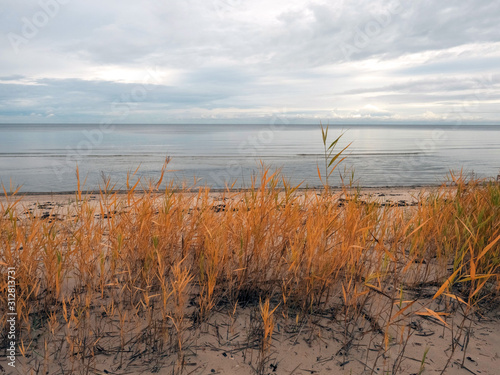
x=133, y=274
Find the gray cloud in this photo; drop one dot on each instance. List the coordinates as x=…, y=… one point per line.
x=12, y=77
x=432, y=85
x=245, y=60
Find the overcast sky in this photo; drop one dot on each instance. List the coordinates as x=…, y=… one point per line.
x=244, y=61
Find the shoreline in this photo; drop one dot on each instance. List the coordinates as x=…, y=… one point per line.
x=407, y=193
x=231, y=190
x=57, y=205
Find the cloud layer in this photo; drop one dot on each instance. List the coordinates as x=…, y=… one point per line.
x=243, y=61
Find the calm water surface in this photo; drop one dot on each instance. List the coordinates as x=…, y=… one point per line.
x=43, y=158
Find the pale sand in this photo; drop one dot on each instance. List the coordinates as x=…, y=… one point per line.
x=227, y=344
x=391, y=195
x=224, y=345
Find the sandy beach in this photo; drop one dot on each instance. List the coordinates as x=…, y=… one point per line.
x=56, y=204
x=325, y=341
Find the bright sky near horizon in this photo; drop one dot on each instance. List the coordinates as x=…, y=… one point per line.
x=242, y=61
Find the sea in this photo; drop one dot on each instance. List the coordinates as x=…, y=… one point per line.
x=44, y=158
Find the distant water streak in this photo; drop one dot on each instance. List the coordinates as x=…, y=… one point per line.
x=43, y=158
